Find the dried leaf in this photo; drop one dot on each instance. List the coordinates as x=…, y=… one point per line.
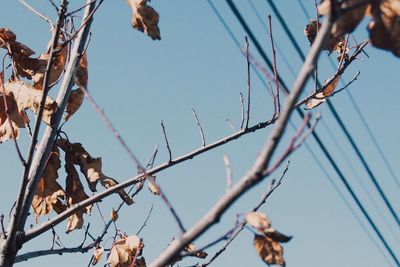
x=75, y=193
x=258, y=220
x=124, y=251
x=153, y=186
x=326, y=91
x=348, y=19
x=16, y=118
x=97, y=253
x=27, y=97
x=277, y=236
x=385, y=26
x=91, y=168
x=191, y=249
x=114, y=215
x=310, y=32
x=49, y=194
x=269, y=250
x=145, y=18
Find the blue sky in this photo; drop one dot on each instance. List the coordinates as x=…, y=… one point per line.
x=139, y=82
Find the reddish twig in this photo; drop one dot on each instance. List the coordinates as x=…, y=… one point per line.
x=278, y=105
x=203, y=139
x=248, y=84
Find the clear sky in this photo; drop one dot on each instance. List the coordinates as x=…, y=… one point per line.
x=139, y=82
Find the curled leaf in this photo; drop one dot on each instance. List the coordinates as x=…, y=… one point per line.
x=145, y=18
x=310, y=31
x=153, y=186
x=49, y=194
x=27, y=97
x=258, y=220
x=269, y=250
x=125, y=251
x=324, y=93
x=97, y=253
x=191, y=249
x=114, y=215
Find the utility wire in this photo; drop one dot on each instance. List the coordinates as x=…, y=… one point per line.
x=314, y=134
x=325, y=125
x=362, y=118
x=338, y=118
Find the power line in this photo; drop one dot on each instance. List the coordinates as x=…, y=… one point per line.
x=361, y=116
x=325, y=125
x=314, y=134
x=338, y=119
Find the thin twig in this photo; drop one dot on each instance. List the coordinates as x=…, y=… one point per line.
x=150, y=162
x=347, y=84
x=278, y=104
x=203, y=139
x=145, y=221
x=230, y=124
x=248, y=83
x=166, y=141
x=316, y=65
x=33, y=10
x=243, y=111
x=229, y=175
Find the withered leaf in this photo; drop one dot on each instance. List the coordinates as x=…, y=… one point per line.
x=269, y=250
x=145, y=18
x=13, y=116
x=310, y=32
x=49, y=194
x=91, y=168
x=191, y=249
x=277, y=236
x=385, y=26
x=114, y=215
x=27, y=97
x=349, y=19
x=74, y=102
x=75, y=193
x=124, y=251
x=97, y=253
x=258, y=220
x=325, y=92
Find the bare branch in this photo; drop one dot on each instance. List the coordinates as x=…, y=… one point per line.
x=166, y=141
x=150, y=163
x=255, y=175
x=230, y=124
x=3, y=230
x=145, y=221
x=61, y=251
x=243, y=111
x=248, y=84
x=229, y=175
x=34, y=11
x=355, y=78
x=203, y=140
x=277, y=102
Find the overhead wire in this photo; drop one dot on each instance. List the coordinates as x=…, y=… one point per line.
x=315, y=136
x=364, y=122
x=337, y=145
x=330, y=134
x=339, y=120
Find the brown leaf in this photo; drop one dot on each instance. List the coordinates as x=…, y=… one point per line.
x=258, y=220
x=75, y=100
x=75, y=193
x=49, y=194
x=13, y=116
x=27, y=97
x=91, y=168
x=348, y=19
x=145, y=18
x=269, y=250
x=277, y=236
x=114, y=215
x=97, y=253
x=385, y=26
x=310, y=32
x=124, y=251
x=191, y=249
x=326, y=91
